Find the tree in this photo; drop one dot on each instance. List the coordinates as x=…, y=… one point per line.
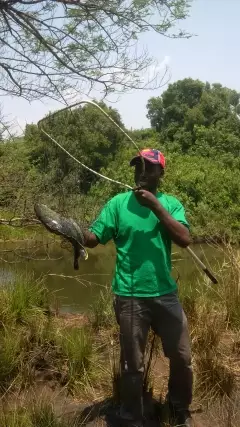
x=155, y=113
x=87, y=134
x=196, y=117
x=16, y=177
x=174, y=103
x=50, y=48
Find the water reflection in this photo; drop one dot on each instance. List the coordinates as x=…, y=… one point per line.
x=76, y=289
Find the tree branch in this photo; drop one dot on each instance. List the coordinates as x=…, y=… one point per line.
x=80, y=45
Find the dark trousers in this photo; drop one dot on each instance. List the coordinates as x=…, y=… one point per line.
x=166, y=317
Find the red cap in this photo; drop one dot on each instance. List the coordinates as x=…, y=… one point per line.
x=152, y=155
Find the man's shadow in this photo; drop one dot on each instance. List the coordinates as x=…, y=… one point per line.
x=107, y=411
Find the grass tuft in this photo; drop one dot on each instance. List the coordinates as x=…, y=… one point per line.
x=102, y=313
x=215, y=379
x=42, y=415
x=23, y=301
x=76, y=350
x=10, y=356
x=35, y=414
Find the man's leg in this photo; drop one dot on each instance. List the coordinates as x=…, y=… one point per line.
x=134, y=320
x=170, y=323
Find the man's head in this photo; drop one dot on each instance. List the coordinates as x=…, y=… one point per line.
x=154, y=163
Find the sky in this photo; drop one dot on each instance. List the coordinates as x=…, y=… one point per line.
x=212, y=55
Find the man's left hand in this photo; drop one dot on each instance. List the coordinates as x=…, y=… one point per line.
x=146, y=198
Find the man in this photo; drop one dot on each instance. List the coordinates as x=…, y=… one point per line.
x=143, y=223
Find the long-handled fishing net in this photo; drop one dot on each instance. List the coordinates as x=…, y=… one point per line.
x=98, y=174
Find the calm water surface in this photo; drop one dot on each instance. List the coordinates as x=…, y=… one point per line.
x=76, y=289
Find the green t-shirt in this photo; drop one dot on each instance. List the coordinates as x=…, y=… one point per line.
x=143, y=264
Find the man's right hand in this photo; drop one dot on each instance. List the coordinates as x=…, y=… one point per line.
x=146, y=198
x=90, y=239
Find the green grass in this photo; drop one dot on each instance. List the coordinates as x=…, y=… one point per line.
x=36, y=414
x=43, y=415
x=213, y=312
x=10, y=356
x=102, y=314
x=230, y=291
x=31, y=338
x=24, y=301
x=76, y=351
x=23, y=320
x=15, y=419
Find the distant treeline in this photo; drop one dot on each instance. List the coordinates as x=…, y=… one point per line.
x=195, y=124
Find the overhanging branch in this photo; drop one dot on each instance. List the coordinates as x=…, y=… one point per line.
x=80, y=45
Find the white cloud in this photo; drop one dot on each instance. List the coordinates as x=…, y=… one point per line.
x=157, y=70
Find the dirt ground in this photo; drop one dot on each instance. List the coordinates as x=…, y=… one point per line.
x=103, y=413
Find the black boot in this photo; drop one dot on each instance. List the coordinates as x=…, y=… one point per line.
x=183, y=419
x=179, y=417
x=128, y=423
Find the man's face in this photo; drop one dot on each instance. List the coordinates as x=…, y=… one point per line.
x=150, y=179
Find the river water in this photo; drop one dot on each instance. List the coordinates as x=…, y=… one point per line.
x=76, y=289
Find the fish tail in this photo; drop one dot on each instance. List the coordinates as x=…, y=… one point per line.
x=76, y=264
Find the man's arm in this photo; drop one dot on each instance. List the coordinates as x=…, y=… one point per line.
x=104, y=227
x=177, y=231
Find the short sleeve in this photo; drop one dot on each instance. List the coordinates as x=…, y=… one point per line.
x=178, y=213
x=105, y=225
